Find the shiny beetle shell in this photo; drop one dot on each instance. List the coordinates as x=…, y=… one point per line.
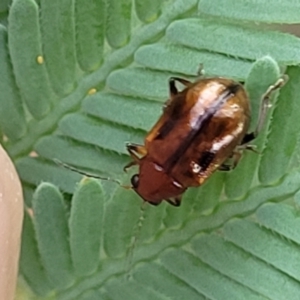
x=199, y=129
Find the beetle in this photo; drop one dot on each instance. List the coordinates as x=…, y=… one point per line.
x=200, y=128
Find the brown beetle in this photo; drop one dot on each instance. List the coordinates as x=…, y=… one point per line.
x=200, y=128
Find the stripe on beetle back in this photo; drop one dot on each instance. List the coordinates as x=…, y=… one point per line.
x=200, y=123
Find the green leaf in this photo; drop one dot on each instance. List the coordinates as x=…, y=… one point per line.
x=4, y=5
x=107, y=105
x=31, y=266
x=90, y=22
x=119, y=231
x=254, y=10
x=98, y=133
x=155, y=274
x=200, y=277
x=31, y=170
x=118, y=22
x=50, y=222
x=267, y=246
x=31, y=76
x=11, y=106
x=59, y=43
x=238, y=41
x=169, y=57
x=279, y=137
x=281, y=219
x=85, y=225
x=148, y=10
x=79, y=79
x=270, y=283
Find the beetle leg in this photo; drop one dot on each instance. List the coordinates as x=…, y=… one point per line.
x=237, y=154
x=225, y=167
x=266, y=103
x=246, y=146
x=129, y=165
x=173, y=91
x=236, y=158
x=134, y=150
x=248, y=138
x=232, y=163
x=264, y=108
x=176, y=201
x=183, y=81
x=172, y=86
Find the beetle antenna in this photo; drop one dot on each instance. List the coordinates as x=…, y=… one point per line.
x=135, y=239
x=60, y=163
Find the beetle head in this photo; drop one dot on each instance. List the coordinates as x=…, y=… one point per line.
x=153, y=184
